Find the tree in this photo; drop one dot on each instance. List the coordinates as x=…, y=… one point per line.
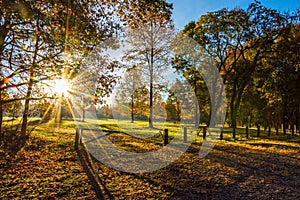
x=150, y=32
x=173, y=109
x=281, y=86
x=192, y=75
x=238, y=40
x=131, y=94
x=13, y=108
x=37, y=39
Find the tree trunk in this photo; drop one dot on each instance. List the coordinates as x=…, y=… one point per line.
x=132, y=106
x=151, y=103
x=3, y=34
x=233, y=124
x=1, y=116
x=30, y=85
x=284, y=126
x=26, y=109
x=297, y=120
x=197, y=104
x=26, y=106
x=235, y=104
x=151, y=79
x=284, y=119
x=233, y=110
x=258, y=130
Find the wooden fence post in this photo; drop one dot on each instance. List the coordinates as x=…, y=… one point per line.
x=185, y=134
x=221, y=135
x=80, y=135
x=258, y=131
x=166, y=137
x=76, y=139
x=247, y=132
x=204, y=133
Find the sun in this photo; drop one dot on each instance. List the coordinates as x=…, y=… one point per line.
x=60, y=86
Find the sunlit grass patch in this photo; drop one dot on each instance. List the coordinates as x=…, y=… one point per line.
x=140, y=129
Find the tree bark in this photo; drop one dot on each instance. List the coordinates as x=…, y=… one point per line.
x=3, y=34
x=284, y=120
x=27, y=104
x=1, y=116
x=30, y=84
x=151, y=80
x=197, y=104
x=151, y=102
x=297, y=124
x=132, y=106
x=233, y=109
x=235, y=103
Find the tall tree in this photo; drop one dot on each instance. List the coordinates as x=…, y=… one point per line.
x=281, y=86
x=150, y=32
x=193, y=76
x=238, y=40
x=38, y=37
x=130, y=92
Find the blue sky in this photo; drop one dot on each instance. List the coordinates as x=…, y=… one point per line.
x=190, y=10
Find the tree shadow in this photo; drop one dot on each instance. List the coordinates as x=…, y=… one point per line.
x=251, y=173
x=12, y=142
x=270, y=145
x=87, y=162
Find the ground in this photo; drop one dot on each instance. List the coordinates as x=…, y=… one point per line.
x=256, y=169
x=48, y=167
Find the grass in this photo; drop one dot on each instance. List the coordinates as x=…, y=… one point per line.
x=141, y=129
x=47, y=167
x=258, y=168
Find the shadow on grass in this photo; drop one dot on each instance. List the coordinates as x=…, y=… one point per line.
x=11, y=140
x=230, y=171
x=270, y=145
x=87, y=162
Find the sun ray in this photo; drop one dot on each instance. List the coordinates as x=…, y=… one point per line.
x=47, y=111
x=70, y=107
x=63, y=94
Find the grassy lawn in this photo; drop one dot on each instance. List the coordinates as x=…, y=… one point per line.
x=140, y=129
x=47, y=167
x=258, y=168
